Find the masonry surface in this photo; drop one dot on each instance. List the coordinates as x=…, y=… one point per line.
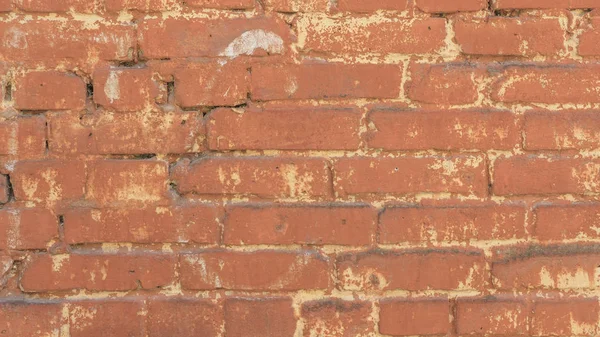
x=299, y=168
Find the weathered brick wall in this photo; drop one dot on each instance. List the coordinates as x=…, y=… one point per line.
x=299, y=168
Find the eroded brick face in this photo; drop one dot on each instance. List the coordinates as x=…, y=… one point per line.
x=288, y=168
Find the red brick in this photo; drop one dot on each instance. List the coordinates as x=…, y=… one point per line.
x=222, y=4
x=5, y=5
x=463, y=174
x=183, y=317
x=125, y=89
x=259, y=317
x=49, y=90
x=23, y=138
x=548, y=130
x=124, y=182
x=424, y=130
x=356, y=36
x=292, y=6
x=71, y=133
x=565, y=222
x=255, y=176
x=27, y=228
x=445, y=84
x=298, y=224
x=452, y=223
x=259, y=270
x=174, y=38
x=323, y=81
x=412, y=270
x=140, y=5
x=437, y=6
x=566, y=317
x=57, y=40
x=548, y=83
x=337, y=318
x=365, y=6
x=544, y=4
x=211, y=84
x=181, y=224
x=30, y=319
x=98, y=272
x=521, y=175
x=4, y=193
x=589, y=40
x=48, y=181
x=546, y=267
x=427, y=316
x=510, y=36
x=491, y=316
x=55, y=6
x=285, y=129
x=122, y=318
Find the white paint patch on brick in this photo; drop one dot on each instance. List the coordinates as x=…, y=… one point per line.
x=252, y=40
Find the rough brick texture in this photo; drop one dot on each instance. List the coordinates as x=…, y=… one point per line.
x=299, y=168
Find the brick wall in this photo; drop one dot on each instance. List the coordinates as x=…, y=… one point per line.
x=299, y=168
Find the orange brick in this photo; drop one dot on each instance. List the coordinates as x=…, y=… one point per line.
x=462, y=174
x=297, y=224
x=589, y=41
x=365, y=6
x=55, y=6
x=569, y=316
x=71, y=133
x=30, y=318
x=444, y=84
x=400, y=129
x=212, y=84
x=23, y=138
x=352, y=35
x=429, y=316
x=49, y=180
x=549, y=130
x=115, y=318
x=491, y=316
x=259, y=316
x=545, y=267
x=335, y=317
x=510, y=36
x=254, y=176
x=285, y=129
x=322, y=81
x=51, y=41
x=181, y=224
x=259, y=271
x=125, y=89
x=98, y=272
x=452, y=223
x=49, y=90
x=127, y=182
x=530, y=175
x=412, y=270
x=140, y=5
x=222, y=4
x=565, y=222
x=544, y=4
x=548, y=83
x=183, y=316
x=436, y=6
x=27, y=228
